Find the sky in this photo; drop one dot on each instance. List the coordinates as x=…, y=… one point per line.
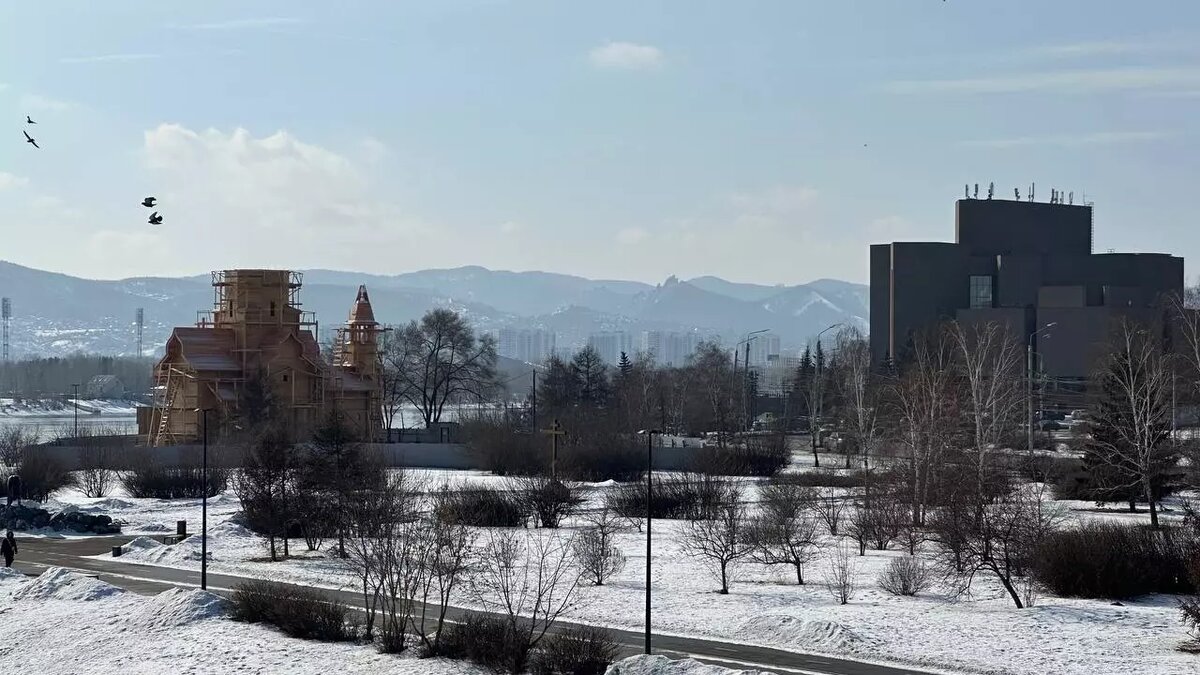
x=766, y=142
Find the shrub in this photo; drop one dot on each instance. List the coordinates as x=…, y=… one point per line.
x=502, y=446
x=677, y=497
x=299, y=612
x=1110, y=560
x=761, y=456
x=481, y=506
x=601, y=459
x=579, y=650
x=822, y=479
x=478, y=638
x=548, y=500
x=42, y=475
x=905, y=576
x=597, y=554
x=151, y=478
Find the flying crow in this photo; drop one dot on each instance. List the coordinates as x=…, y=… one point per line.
x=148, y=202
x=155, y=219
x=29, y=120
x=29, y=139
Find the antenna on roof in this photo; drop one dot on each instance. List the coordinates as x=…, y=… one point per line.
x=1053, y=196
x=1017, y=193
x=1071, y=197
x=991, y=189
x=1031, y=188
x=966, y=191
x=976, y=191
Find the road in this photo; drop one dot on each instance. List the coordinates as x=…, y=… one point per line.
x=38, y=554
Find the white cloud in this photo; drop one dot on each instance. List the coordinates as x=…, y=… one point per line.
x=1071, y=141
x=37, y=102
x=511, y=227
x=632, y=235
x=109, y=58
x=1061, y=82
x=1098, y=48
x=626, y=56
x=10, y=181
x=776, y=200
x=251, y=23
x=234, y=198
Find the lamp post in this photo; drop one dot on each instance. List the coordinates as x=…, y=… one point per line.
x=204, y=503
x=820, y=394
x=75, y=404
x=746, y=340
x=649, y=482
x=1029, y=382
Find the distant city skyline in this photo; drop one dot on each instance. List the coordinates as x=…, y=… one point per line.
x=769, y=143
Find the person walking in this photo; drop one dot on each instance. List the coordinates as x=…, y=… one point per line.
x=8, y=548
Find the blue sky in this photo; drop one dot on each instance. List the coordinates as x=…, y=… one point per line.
x=760, y=141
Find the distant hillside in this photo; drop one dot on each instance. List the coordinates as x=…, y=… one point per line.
x=56, y=314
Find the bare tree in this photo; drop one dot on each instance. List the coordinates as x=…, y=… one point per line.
x=392, y=385
x=596, y=550
x=860, y=395
x=13, y=441
x=830, y=507
x=1001, y=543
x=528, y=579
x=547, y=499
x=97, y=473
x=721, y=541
x=842, y=574
x=439, y=361
x=925, y=403
x=265, y=484
x=785, y=531
x=449, y=560
x=1131, y=425
x=989, y=359
x=905, y=576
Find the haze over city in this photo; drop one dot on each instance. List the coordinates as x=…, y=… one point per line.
x=768, y=142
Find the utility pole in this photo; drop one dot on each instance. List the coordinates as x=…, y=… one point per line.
x=746, y=389
x=533, y=392
x=75, y=400
x=554, y=431
x=649, y=514
x=1029, y=394
x=204, y=511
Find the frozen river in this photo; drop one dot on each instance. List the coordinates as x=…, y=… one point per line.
x=48, y=427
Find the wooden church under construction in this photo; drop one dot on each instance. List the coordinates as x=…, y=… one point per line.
x=257, y=329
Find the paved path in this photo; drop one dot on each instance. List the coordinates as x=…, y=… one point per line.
x=38, y=554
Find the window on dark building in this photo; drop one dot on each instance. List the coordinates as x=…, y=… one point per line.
x=981, y=292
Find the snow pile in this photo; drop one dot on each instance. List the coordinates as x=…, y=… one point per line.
x=807, y=635
x=177, y=607
x=661, y=665
x=147, y=550
x=8, y=575
x=57, y=583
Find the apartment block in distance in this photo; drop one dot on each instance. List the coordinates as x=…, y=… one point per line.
x=1023, y=264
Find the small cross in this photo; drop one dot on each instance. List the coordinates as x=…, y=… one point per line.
x=555, y=431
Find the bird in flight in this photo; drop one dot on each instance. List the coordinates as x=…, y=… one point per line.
x=155, y=219
x=29, y=139
x=148, y=202
x=29, y=120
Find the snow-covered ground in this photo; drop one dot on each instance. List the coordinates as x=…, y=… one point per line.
x=65, y=407
x=64, y=622
x=983, y=633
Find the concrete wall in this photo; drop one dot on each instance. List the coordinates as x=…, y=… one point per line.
x=1005, y=227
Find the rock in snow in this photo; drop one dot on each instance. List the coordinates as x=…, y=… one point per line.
x=661, y=665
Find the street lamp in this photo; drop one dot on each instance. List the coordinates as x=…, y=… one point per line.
x=204, y=504
x=649, y=433
x=75, y=402
x=820, y=395
x=1029, y=381
x=749, y=337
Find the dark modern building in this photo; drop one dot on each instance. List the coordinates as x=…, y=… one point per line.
x=1024, y=264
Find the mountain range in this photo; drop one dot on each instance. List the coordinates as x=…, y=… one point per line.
x=56, y=314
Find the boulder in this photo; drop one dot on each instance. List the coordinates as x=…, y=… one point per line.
x=85, y=523
x=19, y=517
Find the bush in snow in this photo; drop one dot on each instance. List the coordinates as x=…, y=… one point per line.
x=153, y=479
x=1111, y=560
x=595, y=547
x=785, y=531
x=841, y=574
x=579, y=650
x=905, y=576
x=757, y=456
x=482, y=506
x=42, y=475
x=722, y=541
x=548, y=500
x=298, y=611
x=676, y=497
